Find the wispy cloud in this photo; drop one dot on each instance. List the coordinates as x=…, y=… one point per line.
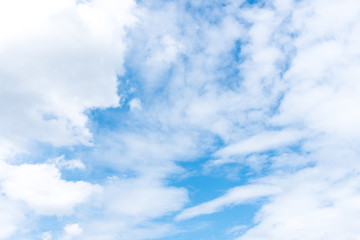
x=257, y=144
x=238, y=195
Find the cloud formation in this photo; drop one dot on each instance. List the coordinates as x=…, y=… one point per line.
x=41, y=187
x=57, y=61
x=238, y=195
x=112, y=110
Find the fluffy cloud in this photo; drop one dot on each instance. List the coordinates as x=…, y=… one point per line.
x=56, y=62
x=42, y=188
x=72, y=230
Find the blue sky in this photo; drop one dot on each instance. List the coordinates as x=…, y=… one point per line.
x=184, y=120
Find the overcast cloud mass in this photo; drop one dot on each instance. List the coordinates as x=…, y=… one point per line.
x=181, y=120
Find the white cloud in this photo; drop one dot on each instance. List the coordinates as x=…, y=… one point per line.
x=129, y=206
x=316, y=203
x=61, y=162
x=238, y=195
x=68, y=63
x=9, y=149
x=73, y=229
x=57, y=60
x=168, y=53
x=143, y=198
x=10, y=218
x=41, y=187
x=150, y=154
x=258, y=143
x=320, y=95
x=135, y=104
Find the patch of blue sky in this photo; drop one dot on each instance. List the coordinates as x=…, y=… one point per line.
x=229, y=76
x=274, y=108
x=257, y=3
x=202, y=186
x=103, y=121
x=236, y=52
x=49, y=116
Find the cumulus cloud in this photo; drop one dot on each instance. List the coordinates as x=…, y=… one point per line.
x=69, y=62
x=42, y=188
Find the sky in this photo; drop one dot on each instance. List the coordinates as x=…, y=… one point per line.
x=179, y=119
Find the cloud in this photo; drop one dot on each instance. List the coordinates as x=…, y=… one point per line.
x=135, y=104
x=73, y=229
x=58, y=60
x=69, y=63
x=143, y=198
x=258, y=143
x=214, y=80
x=128, y=207
x=72, y=164
x=238, y=195
x=319, y=95
x=41, y=187
x=10, y=218
x=146, y=153
x=316, y=203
